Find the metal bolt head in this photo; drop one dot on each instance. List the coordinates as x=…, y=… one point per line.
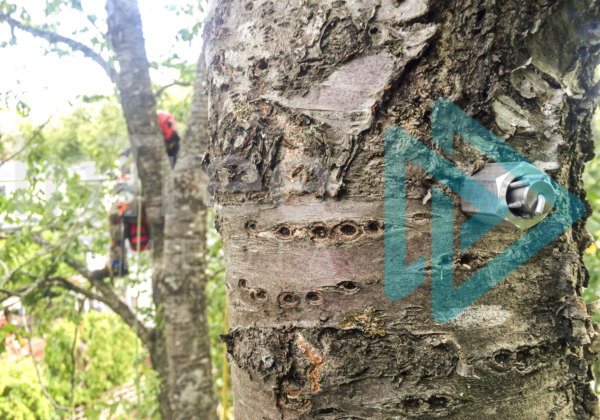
x=525, y=190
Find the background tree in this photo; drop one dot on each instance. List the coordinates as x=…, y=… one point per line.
x=189, y=397
x=301, y=95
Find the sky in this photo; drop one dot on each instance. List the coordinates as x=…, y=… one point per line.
x=50, y=82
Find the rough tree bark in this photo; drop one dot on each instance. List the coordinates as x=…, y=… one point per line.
x=301, y=94
x=184, y=285
x=139, y=108
x=180, y=352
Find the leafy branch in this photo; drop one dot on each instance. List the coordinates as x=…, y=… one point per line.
x=54, y=38
x=106, y=294
x=175, y=83
x=36, y=133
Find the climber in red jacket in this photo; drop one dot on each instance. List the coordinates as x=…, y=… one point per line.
x=123, y=214
x=168, y=126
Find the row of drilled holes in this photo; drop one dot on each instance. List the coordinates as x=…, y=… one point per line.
x=289, y=299
x=319, y=231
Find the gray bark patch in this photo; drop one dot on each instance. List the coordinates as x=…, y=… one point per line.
x=484, y=316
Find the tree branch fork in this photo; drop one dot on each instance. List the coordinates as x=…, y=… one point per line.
x=104, y=293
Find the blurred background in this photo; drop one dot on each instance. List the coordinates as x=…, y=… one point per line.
x=61, y=133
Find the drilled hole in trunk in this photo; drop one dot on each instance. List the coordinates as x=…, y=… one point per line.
x=438, y=402
x=329, y=410
x=259, y=295
x=288, y=299
x=262, y=64
x=524, y=356
x=412, y=404
x=503, y=358
x=284, y=232
x=249, y=6
x=242, y=284
x=252, y=225
x=319, y=232
x=314, y=298
x=348, y=230
x=348, y=286
x=374, y=227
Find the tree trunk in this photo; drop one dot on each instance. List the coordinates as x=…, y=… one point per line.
x=184, y=285
x=180, y=351
x=139, y=107
x=301, y=94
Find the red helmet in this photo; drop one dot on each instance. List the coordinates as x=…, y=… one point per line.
x=167, y=123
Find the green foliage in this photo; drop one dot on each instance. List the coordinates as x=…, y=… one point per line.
x=176, y=100
x=72, y=208
x=21, y=396
x=147, y=405
x=72, y=218
x=9, y=329
x=192, y=9
x=75, y=210
x=216, y=296
x=9, y=97
x=57, y=357
x=90, y=132
x=104, y=357
x=591, y=178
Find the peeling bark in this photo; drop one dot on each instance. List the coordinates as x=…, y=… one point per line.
x=301, y=94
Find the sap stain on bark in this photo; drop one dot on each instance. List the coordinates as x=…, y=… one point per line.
x=300, y=365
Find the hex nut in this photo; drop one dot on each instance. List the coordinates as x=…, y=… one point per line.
x=526, y=195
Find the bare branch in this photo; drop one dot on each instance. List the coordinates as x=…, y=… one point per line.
x=53, y=38
x=93, y=22
x=68, y=285
x=109, y=298
x=42, y=278
x=161, y=90
x=23, y=291
x=47, y=250
x=37, y=131
x=3, y=264
x=11, y=293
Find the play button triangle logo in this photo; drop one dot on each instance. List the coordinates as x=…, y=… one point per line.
x=449, y=301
